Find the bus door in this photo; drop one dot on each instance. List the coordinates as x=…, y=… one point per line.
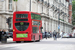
x=35, y=29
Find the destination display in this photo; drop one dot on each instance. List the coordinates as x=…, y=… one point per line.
x=35, y=23
x=21, y=15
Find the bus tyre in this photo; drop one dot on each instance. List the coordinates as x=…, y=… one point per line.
x=39, y=38
x=70, y=36
x=33, y=38
x=18, y=41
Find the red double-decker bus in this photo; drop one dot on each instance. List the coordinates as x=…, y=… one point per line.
x=27, y=26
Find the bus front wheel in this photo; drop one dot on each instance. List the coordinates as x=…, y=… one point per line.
x=39, y=38
x=18, y=41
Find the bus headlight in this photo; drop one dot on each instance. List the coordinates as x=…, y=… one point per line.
x=13, y=30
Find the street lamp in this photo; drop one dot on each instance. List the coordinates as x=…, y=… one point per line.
x=42, y=6
x=16, y=3
x=30, y=5
x=59, y=17
x=48, y=7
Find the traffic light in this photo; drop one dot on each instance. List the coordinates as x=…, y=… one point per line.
x=8, y=20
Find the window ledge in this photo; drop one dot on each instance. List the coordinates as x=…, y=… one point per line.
x=10, y=10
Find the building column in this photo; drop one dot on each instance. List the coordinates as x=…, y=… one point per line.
x=43, y=24
x=0, y=22
x=51, y=24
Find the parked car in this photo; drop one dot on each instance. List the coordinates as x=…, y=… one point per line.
x=9, y=34
x=48, y=35
x=43, y=35
x=66, y=35
x=72, y=34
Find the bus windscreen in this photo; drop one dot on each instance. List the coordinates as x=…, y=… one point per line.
x=22, y=26
x=21, y=19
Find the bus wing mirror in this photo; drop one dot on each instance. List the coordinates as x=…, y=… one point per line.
x=41, y=27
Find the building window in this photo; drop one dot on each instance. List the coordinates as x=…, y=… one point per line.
x=10, y=4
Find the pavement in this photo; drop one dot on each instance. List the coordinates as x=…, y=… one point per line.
x=9, y=40
x=44, y=44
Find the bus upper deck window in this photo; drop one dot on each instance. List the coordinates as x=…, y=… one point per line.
x=21, y=15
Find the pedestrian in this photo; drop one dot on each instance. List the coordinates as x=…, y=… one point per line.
x=57, y=35
x=42, y=34
x=0, y=34
x=54, y=35
x=46, y=34
x=61, y=34
x=4, y=37
x=50, y=34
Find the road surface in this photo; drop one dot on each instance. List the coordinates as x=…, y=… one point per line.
x=45, y=44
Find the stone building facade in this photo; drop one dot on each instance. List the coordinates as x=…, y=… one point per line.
x=50, y=10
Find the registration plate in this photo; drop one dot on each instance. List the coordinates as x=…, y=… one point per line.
x=21, y=39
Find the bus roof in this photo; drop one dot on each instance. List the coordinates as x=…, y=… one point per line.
x=28, y=12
